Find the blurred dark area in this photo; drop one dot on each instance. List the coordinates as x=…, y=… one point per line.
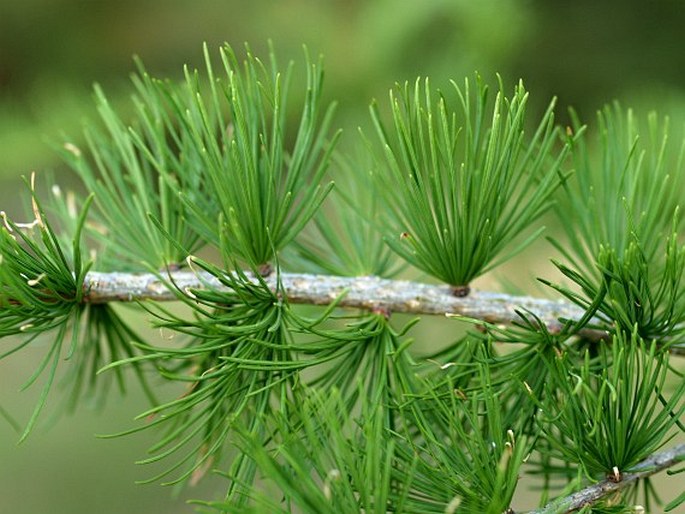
x=585, y=52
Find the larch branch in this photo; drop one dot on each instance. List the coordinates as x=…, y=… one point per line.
x=369, y=292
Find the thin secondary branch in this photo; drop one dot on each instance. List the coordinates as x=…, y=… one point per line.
x=591, y=494
x=370, y=293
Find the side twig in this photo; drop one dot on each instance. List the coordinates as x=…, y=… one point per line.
x=651, y=465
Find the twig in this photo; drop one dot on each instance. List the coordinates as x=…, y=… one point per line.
x=651, y=465
x=370, y=293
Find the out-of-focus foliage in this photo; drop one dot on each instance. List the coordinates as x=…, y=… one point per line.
x=51, y=51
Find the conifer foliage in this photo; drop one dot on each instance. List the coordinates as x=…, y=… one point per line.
x=331, y=409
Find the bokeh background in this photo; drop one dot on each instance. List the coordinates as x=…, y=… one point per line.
x=52, y=51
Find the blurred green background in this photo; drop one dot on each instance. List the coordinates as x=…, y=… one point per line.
x=52, y=51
